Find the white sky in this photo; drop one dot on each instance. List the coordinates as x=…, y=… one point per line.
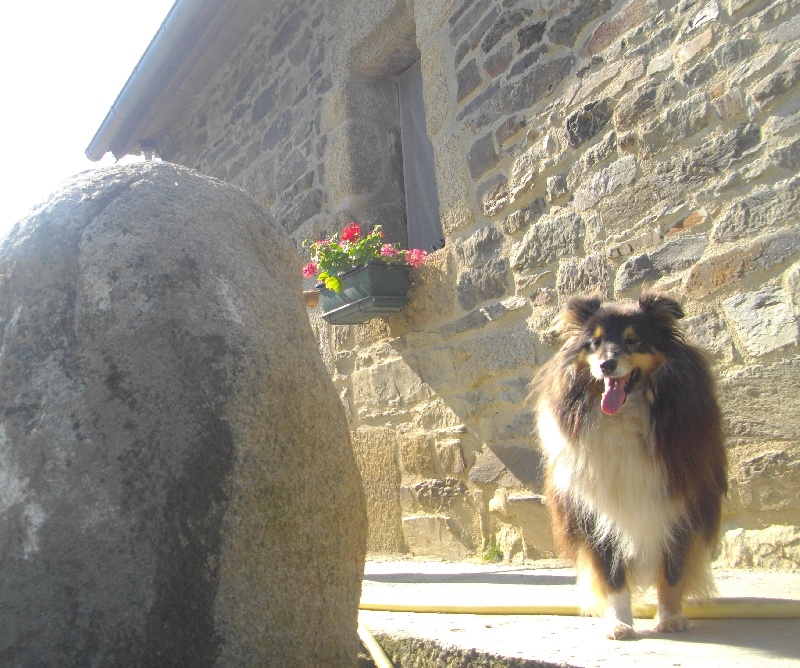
x=62, y=64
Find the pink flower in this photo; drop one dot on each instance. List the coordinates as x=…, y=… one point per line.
x=310, y=270
x=352, y=232
x=387, y=250
x=416, y=257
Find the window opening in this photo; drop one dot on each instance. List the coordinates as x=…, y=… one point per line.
x=419, y=176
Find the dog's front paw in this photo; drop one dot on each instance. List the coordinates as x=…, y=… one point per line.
x=618, y=630
x=671, y=624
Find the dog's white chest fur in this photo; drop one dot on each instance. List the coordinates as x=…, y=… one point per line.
x=612, y=475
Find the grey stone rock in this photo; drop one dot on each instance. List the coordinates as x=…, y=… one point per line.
x=482, y=156
x=436, y=536
x=676, y=124
x=168, y=494
x=634, y=273
x=643, y=100
x=565, y=29
x=480, y=247
x=763, y=319
x=530, y=35
x=510, y=466
x=588, y=121
x=264, y=103
x=679, y=253
x=776, y=548
x=482, y=283
x=468, y=78
x=779, y=82
x=752, y=416
x=546, y=241
x=576, y=275
x=504, y=24
x=766, y=208
x=602, y=184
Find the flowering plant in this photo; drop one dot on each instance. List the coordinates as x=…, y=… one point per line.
x=331, y=257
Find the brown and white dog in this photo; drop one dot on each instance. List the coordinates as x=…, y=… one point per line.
x=635, y=460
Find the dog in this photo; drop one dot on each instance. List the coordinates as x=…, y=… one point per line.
x=634, y=456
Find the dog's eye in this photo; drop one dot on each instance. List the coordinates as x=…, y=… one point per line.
x=631, y=341
x=595, y=343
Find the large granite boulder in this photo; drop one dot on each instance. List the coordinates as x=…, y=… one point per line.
x=177, y=485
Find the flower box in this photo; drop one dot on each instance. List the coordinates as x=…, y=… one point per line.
x=369, y=291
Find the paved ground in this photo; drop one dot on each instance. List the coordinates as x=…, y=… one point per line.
x=464, y=640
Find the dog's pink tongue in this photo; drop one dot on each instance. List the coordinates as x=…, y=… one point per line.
x=613, y=396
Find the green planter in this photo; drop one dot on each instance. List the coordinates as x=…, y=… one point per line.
x=369, y=291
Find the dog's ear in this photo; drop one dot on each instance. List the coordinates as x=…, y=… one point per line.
x=663, y=310
x=575, y=314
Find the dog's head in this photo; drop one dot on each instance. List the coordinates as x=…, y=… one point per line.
x=620, y=344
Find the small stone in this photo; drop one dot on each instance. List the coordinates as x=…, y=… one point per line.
x=764, y=321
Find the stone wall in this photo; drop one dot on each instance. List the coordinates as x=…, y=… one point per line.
x=579, y=146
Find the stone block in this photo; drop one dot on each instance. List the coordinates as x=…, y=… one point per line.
x=523, y=172
x=482, y=156
x=710, y=332
x=525, y=217
x=689, y=49
x=352, y=98
x=376, y=453
x=170, y=494
x=585, y=123
x=674, y=125
x=436, y=91
x=565, y=29
x=608, y=32
x=605, y=182
x=436, y=536
x=766, y=208
x=468, y=79
x=496, y=352
x=791, y=286
x=504, y=24
x=439, y=496
x=763, y=320
x=731, y=265
x=479, y=248
x=493, y=195
x=416, y=454
x=634, y=274
x=752, y=415
x=357, y=162
x=551, y=238
x=481, y=284
x=647, y=97
x=450, y=456
x=779, y=83
x=776, y=548
x=767, y=483
x=576, y=275
x=509, y=466
x=430, y=16
x=392, y=383
x=453, y=184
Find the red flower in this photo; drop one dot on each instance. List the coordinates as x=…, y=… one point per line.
x=415, y=257
x=352, y=232
x=310, y=270
x=387, y=250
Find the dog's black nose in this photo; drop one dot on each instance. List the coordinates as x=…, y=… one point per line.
x=608, y=366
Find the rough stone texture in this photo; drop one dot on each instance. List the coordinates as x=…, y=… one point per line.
x=170, y=495
x=375, y=451
x=775, y=548
x=436, y=536
x=597, y=146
